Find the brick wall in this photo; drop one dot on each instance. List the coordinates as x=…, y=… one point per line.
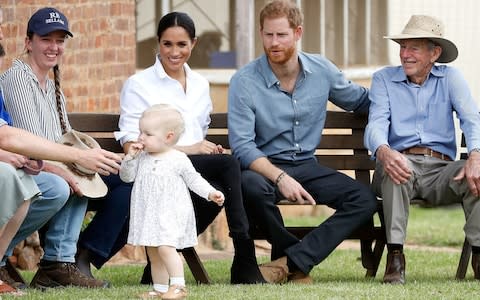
x=97, y=60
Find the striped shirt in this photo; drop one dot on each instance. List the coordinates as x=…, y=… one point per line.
x=30, y=107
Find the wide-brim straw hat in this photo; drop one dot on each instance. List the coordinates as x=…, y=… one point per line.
x=427, y=27
x=89, y=182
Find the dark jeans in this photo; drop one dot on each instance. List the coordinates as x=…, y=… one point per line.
x=222, y=172
x=353, y=202
x=108, y=231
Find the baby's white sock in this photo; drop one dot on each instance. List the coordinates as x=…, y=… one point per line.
x=177, y=280
x=162, y=288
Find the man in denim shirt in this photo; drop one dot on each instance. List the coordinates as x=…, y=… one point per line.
x=411, y=134
x=276, y=112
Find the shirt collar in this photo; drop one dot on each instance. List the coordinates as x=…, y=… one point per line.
x=20, y=64
x=160, y=71
x=266, y=71
x=400, y=75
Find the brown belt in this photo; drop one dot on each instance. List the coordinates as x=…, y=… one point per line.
x=426, y=152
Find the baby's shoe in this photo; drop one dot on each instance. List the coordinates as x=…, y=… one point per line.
x=175, y=292
x=151, y=295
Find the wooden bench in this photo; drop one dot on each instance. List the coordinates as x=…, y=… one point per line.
x=349, y=140
x=341, y=148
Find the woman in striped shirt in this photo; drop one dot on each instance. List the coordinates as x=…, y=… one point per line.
x=37, y=104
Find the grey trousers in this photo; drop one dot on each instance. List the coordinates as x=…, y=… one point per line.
x=431, y=181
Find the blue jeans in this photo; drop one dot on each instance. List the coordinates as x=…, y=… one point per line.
x=64, y=219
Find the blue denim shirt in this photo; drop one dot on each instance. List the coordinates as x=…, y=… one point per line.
x=264, y=121
x=404, y=114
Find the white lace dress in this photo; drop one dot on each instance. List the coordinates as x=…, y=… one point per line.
x=161, y=210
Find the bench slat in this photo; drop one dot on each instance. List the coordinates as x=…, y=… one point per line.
x=335, y=119
x=92, y=122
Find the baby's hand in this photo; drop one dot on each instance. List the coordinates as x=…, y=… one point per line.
x=217, y=197
x=135, y=149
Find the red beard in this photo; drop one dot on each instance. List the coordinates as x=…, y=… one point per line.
x=279, y=57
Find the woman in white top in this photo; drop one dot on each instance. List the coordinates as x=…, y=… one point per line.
x=170, y=80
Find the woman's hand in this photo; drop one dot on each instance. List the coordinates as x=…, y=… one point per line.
x=203, y=147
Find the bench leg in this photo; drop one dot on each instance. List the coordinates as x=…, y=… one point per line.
x=376, y=258
x=196, y=265
x=366, y=253
x=464, y=259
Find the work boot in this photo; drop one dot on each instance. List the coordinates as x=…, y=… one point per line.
x=395, y=269
x=62, y=274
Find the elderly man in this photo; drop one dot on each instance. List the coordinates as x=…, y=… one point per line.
x=411, y=134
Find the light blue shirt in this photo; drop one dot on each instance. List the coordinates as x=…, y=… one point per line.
x=264, y=121
x=404, y=114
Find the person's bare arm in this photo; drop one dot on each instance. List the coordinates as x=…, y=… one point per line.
x=203, y=147
x=23, y=142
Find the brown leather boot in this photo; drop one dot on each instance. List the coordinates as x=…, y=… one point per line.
x=61, y=274
x=395, y=269
x=476, y=266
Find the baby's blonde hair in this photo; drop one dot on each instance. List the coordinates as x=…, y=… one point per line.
x=167, y=118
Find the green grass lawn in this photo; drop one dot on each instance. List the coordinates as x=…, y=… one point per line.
x=442, y=227
x=430, y=273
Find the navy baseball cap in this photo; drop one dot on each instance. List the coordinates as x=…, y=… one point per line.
x=46, y=20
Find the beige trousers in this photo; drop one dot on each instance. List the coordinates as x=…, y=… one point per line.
x=432, y=181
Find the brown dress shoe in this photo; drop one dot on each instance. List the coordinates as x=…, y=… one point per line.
x=299, y=277
x=476, y=266
x=395, y=269
x=275, y=271
x=63, y=274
